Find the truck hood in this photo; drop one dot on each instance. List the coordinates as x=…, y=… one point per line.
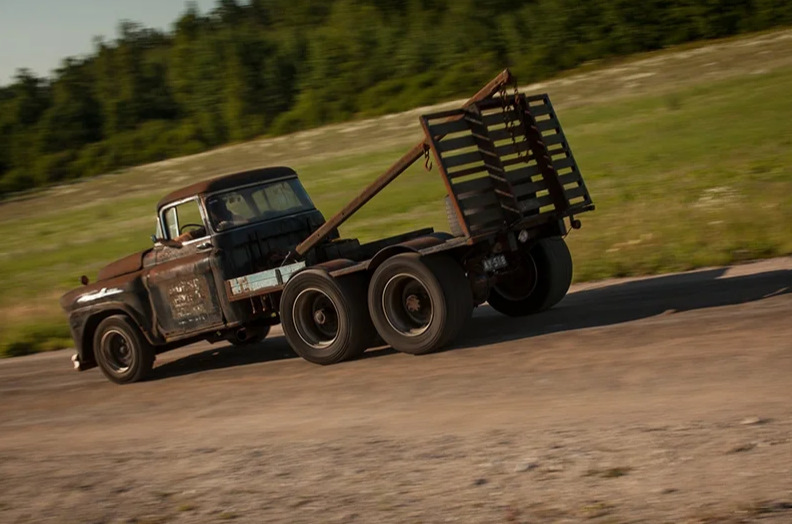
x=123, y=266
x=112, y=280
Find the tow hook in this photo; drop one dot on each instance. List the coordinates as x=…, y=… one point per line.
x=76, y=362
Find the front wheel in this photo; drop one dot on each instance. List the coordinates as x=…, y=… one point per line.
x=121, y=351
x=540, y=281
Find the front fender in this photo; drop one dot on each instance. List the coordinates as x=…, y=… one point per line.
x=84, y=321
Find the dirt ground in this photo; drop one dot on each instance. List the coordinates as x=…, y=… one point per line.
x=664, y=399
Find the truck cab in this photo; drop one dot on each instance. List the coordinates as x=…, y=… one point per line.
x=175, y=292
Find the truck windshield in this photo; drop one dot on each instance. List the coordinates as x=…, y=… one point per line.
x=257, y=203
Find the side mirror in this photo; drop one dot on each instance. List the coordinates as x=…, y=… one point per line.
x=84, y=280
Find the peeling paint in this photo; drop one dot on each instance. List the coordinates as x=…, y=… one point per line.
x=96, y=295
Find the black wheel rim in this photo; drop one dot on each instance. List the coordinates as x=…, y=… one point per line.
x=407, y=305
x=315, y=318
x=118, y=351
x=521, y=282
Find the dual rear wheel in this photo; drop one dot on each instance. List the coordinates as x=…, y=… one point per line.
x=419, y=304
x=415, y=304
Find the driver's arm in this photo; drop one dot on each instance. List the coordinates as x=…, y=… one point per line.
x=191, y=235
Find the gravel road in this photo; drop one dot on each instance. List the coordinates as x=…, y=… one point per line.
x=663, y=399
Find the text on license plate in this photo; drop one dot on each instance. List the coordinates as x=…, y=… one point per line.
x=495, y=263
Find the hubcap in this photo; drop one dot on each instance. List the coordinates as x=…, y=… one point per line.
x=117, y=349
x=315, y=318
x=407, y=305
x=521, y=282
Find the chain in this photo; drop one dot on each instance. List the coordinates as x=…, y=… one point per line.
x=427, y=158
x=510, y=127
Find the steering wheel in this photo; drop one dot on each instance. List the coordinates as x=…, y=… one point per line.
x=185, y=226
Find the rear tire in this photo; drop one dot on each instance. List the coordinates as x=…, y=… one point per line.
x=544, y=280
x=121, y=351
x=324, y=318
x=419, y=304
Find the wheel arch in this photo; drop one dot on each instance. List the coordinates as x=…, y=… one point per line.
x=414, y=245
x=86, y=349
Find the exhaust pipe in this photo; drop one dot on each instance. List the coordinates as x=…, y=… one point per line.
x=241, y=335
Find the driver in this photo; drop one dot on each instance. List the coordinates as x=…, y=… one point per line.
x=193, y=234
x=220, y=216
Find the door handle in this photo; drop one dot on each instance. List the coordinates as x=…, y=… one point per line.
x=204, y=246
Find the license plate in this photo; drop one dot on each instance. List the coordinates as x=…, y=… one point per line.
x=494, y=263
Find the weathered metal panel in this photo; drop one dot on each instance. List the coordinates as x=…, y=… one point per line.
x=248, y=285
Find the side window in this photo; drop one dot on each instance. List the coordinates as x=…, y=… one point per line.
x=185, y=218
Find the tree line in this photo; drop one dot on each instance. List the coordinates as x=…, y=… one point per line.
x=270, y=67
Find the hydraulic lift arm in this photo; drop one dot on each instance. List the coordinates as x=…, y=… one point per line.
x=401, y=165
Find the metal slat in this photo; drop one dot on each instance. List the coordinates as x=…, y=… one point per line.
x=557, y=152
x=564, y=163
x=461, y=160
x=540, y=110
x=467, y=171
x=522, y=190
x=453, y=144
x=476, y=201
x=517, y=161
x=498, y=118
x=547, y=125
x=537, y=98
x=576, y=192
x=551, y=140
x=524, y=173
x=471, y=186
x=569, y=178
x=511, y=149
x=496, y=135
x=446, y=128
x=536, y=203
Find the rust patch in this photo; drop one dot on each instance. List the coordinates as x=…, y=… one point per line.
x=189, y=299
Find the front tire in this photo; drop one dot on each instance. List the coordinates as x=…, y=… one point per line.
x=419, y=304
x=122, y=352
x=539, y=283
x=324, y=318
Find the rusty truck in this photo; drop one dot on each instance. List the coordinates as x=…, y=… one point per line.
x=240, y=253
